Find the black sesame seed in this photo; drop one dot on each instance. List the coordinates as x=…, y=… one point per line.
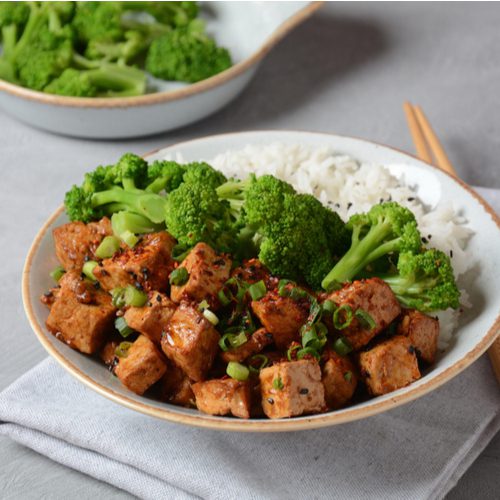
x=305, y=390
x=411, y=349
x=97, y=285
x=269, y=336
x=349, y=205
x=411, y=198
x=429, y=236
x=337, y=205
x=425, y=240
x=270, y=401
x=158, y=298
x=381, y=200
x=451, y=253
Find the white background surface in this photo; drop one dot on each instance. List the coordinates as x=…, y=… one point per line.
x=347, y=70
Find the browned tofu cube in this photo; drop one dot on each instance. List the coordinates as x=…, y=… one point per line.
x=252, y=271
x=422, y=331
x=223, y=397
x=282, y=317
x=81, y=315
x=176, y=387
x=339, y=379
x=148, y=264
x=190, y=341
x=107, y=352
x=151, y=320
x=390, y=365
x=143, y=366
x=292, y=388
x=255, y=343
x=208, y=272
x=375, y=298
x=75, y=242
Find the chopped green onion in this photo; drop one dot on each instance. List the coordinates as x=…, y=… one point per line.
x=297, y=293
x=308, y=350
x=223, y=298
x=314, y=311
x=321, y=330
x=291, y=351
x=179, y=276
x=87, y=269
x=342, y=346
x=57, y=273
x=122, y=327
x=257, y=290
x=264, y=361
x=237, y=371
x=278, y=384
x=346, y=311
x=365, y=318
x=348, y=376
x=232, y=340
x=117, y=297
x=203, y=305
x=108, y=247
x=329, y=306
x=122, y=350
x=210, y=316
x=129, y=238
x=134, y=297
x=309, y=335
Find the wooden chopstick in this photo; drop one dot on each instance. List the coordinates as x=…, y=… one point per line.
x=427, y=142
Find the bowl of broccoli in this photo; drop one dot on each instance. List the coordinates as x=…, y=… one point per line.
x=127, y=69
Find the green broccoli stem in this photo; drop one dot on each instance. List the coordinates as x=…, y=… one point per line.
x=151, y=205
x=9, y=39
x=157, y=185
x=408, y=286
x=120, y=80
x=137, y=224
x=360, y=254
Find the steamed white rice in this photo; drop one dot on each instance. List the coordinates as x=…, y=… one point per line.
x=348, y=186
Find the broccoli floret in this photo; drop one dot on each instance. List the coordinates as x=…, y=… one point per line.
x=122, y=52
x=72, y=82
x=294, y=235
x=424, y=281
x=98, y=21
x=165, y=175
x=187, y=55
x=204, y=173
x=386, y=229
x=14, y=13
x=114, y=188
x=169, y=13
x=194, y=213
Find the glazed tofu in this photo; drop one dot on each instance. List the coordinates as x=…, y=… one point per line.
x=76, y=242
x=148, y=264
x=107, y=352
x=375, y=298
x=282, y=317
x=390, y=365
x=143, y=366
x=176, y=387
x=252, y=271
x=292, y=388
x=81, y=315
x=223, y=397
x=208, y=272
x=190, y=341
x=255, y=343
x=422, y=332
x=339, y=379
x=151, y=319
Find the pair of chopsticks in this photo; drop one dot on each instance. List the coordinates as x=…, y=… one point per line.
x=430, y=150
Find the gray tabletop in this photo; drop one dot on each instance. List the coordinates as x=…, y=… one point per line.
x=347, y=70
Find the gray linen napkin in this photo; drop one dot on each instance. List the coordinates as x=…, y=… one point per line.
x=419, y=450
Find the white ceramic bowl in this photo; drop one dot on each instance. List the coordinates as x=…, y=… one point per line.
x=248, y=29
x=478, y=326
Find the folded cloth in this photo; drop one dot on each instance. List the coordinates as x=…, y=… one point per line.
x=419, y=450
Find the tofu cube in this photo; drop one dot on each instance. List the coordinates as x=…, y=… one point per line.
x=339, y=379
x=293, y=388
x=75, y=242
x=151, y=319
x=390, y=365
x=255, y=343
x=190, y=341
x=282, y=317
x=81, y=315
x=143, y=366
x=422, y=331
x=148, y=264
x=223, y=397
x=375, y=298
x=176, y=387
x=208, y=272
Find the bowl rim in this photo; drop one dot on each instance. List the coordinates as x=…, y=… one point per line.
x=258, y=425
x=168, y=95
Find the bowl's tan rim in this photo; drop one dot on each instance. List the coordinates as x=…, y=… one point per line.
x=304, y=423
x=168, y=95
